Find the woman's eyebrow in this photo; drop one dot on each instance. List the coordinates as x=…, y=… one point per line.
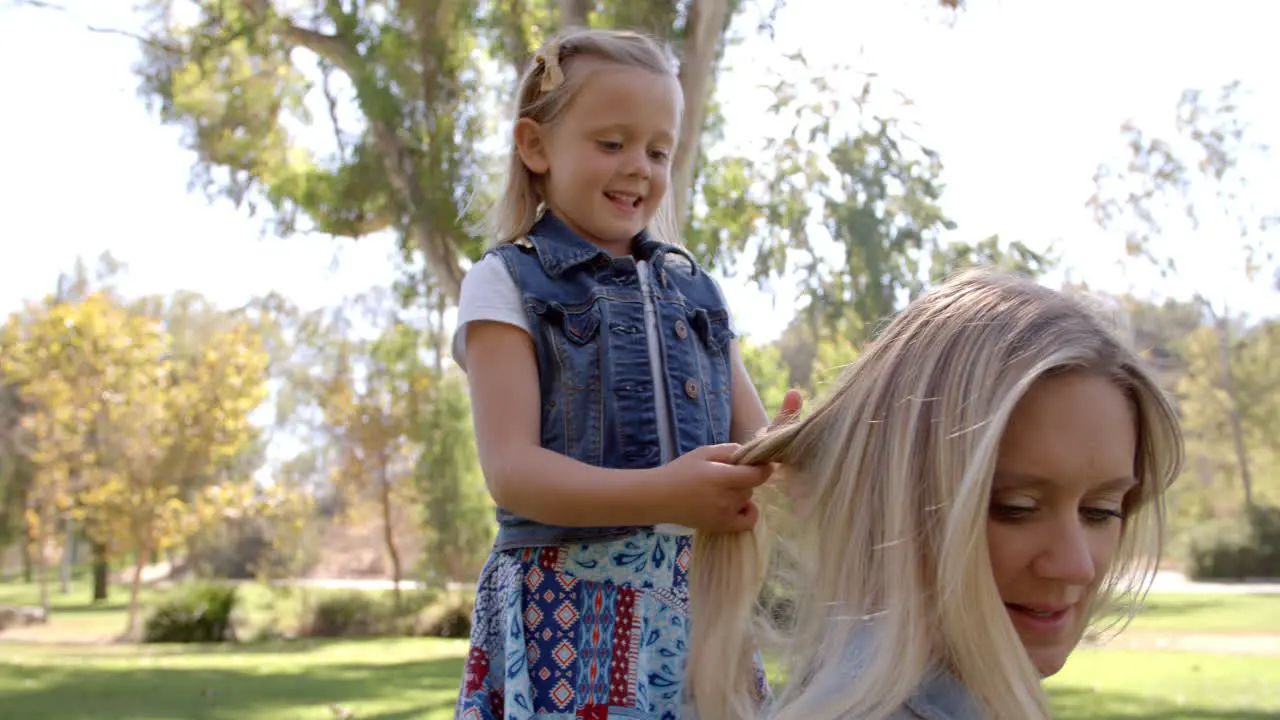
x=1007, y=480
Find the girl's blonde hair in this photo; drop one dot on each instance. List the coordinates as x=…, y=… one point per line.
x=893, y=473
x=547, y=89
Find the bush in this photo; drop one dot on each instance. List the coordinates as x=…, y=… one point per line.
x=1228, y=549
x=356, y=614
x=17, y=616
x=241, y=549
x=200, y=613
x=348, y=615
x=449, y=617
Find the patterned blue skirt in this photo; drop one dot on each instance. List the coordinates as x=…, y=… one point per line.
x=582, y=632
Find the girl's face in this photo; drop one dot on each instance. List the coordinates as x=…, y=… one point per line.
x=1065, y=466
x=606, y=162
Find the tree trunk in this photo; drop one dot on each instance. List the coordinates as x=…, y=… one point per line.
x=706, y=27
x=100, y=570
x=68, y=556
x=573, y=13
x=28, y=569
x=439, y=252
x=513, y=35
x=388, y=529
x=1233, y=408
x=43, y=566
x=442, y=338
x=140, y=562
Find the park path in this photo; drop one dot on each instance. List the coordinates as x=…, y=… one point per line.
x=1264, y=644
x=1171, y=581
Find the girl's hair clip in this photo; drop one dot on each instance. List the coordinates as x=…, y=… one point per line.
x=552, y=73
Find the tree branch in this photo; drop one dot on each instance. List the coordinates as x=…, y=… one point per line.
x=440, y=254
x=149, y=42
x=330, y=47
x=40, y=4
x=705, y=28
x=326, y=69
x=573, y=13
x=513, y=35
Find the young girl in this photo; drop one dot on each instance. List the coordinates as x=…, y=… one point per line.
x=988, y=476
x=607, y=391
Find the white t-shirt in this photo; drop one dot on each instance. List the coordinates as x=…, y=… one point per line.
x=488, y=293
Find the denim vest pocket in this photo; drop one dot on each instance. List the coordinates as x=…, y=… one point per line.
x=573, y=412
x=714, y=335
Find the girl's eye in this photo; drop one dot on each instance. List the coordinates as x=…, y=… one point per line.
x=660, y=155
x=609, y=145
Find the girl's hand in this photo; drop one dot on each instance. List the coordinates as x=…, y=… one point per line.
x=708, y=492
x=792, y=403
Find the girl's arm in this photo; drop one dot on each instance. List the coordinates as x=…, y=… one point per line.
x=748, y=414
x=698, y=490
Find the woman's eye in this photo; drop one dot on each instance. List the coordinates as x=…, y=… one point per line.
x=1099, y=515
x=1011, y=512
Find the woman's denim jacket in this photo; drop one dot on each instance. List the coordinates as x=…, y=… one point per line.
x=941, y=697
x=587, y=313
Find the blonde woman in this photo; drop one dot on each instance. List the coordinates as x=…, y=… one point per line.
x=985, y=480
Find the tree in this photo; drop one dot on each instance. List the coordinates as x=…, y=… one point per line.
x=849, y=202
x=119, y=426
x=1197, y=182
x=56, y=355
x=370, y=400
x=1221, y=428
x=349, y=119
x=15, y=471
x=767, y=371
x=457, y=511
x=405, y=89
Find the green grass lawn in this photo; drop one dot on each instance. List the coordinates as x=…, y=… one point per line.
x=401, y=679
x=1209, y=613
x=417, y=678
x=1130, y=685
x=383, y=679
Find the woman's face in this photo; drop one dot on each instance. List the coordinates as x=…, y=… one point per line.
x=1065, y=466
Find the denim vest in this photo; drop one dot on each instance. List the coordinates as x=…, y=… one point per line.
x=586, y=310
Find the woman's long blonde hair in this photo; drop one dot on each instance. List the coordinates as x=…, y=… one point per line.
x=893, y=475
x=547, y=88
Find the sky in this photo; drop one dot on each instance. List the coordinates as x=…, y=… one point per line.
x=1021, y=99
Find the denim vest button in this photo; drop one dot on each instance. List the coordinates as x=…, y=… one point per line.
x=691, y=388
x=682, y=331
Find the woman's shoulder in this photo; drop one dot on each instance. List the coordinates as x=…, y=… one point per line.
x=940, y=697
